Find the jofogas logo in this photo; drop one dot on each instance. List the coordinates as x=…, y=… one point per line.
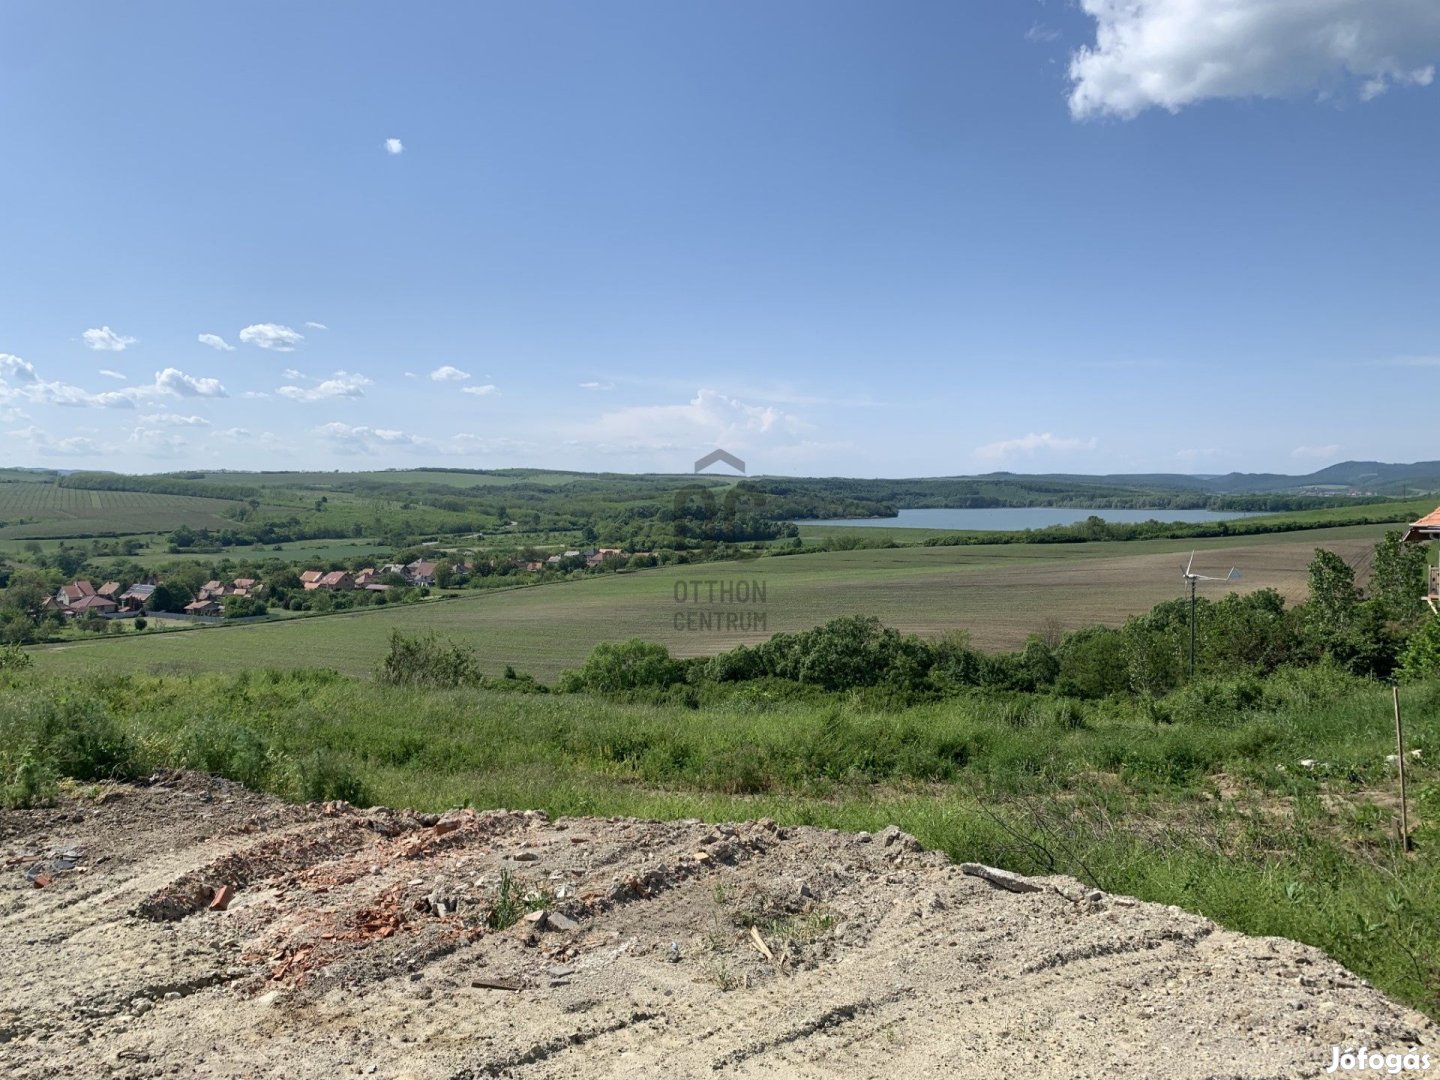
x=1344, y=1060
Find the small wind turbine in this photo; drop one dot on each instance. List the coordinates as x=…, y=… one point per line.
x=1193, y=579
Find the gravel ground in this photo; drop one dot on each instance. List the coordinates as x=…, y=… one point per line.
x=195, y=929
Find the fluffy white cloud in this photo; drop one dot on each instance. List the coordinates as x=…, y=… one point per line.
x=367, y=440
x=112, y=374
x=1030, y=444
x=449, y=374
x=342, y=384
x=174, y=381
x=1172, y=53
x=215, y=341
x=106, y=340
x=481, y=391
x=15, y=370
x=1330, y=451
x=269, y=335
x=394, y=146
x=19, y=382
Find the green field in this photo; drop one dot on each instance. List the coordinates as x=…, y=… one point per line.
x=1000, y=594
x=30, y=510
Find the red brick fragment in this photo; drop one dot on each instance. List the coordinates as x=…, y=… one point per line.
x=223, y=896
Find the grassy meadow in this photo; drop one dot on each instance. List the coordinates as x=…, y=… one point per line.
x=1212, y=810
x=30, y=510
x=1000, y=594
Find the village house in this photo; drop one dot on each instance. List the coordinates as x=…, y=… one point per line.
x=109, y=590
x=420, y=572
x=337, y=581
x=136, y=597
x=364, y=577
x=310, y=579
x=202, y=607
x=99, y=605
x=73, y=593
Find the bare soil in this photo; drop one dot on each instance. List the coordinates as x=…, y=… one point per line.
x=375, y=943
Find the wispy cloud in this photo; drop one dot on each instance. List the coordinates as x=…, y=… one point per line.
x=597, y=386
x=106, y=340
x=215, y=341
x=1041, y=33
x=1030, y=444
x=367, y=440
x=317, y=326
x=274, y=336
x=41, y=442
x=112, y=374
x=394, y=146
x=447, y=373
x=343, y=384
x=173, y=420
x=481, y=391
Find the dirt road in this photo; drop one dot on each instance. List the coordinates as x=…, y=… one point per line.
x=381, y=943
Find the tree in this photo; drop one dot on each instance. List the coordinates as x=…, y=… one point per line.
x=1398, y=578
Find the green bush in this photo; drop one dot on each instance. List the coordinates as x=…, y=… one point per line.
x=424, y=660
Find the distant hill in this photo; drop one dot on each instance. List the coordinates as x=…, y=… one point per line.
x=1346, y=478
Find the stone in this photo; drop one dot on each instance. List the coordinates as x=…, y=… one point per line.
x=561, y=922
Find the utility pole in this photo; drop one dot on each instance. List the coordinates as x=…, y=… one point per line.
x=1192, y=628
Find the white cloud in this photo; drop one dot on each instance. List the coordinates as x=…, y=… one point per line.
x=707, y=420
x=174, y=381
x=294, y=374
x=215, y=341
x=411, y=375
x=174, y=420
x=41, y=442
x=394, y=146
x=272, y=336
x=112, y=374
x=1041, y=33
x=449, y=374
x=317, y=326
x=342, y=384
x=1030, y=444
x=19, y=382
x=1173, y=53
x=1316, y=452
x=597, y=386
x=15, y=370
x=106, y=340
x=368, y=440
x=254, y=394
x=481, y=391
x=157, y=442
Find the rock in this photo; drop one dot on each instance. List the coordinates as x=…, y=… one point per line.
x=223, y=895
x=1095, y=896
x=525, y=856
x=141, y=1005
x=269, y=1000
x=804, y=891
x=536, y=919
x=561, y=922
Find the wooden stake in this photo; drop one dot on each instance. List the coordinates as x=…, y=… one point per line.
x=1400, y=758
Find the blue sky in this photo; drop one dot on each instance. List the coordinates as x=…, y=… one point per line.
x=835, y=238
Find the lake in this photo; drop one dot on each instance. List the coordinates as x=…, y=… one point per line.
x=1014, y=518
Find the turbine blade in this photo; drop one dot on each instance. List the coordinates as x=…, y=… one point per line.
x=1189, y=564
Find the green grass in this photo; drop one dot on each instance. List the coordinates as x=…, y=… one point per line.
x=1212, y=812
x=999, y=593
x=31, y=510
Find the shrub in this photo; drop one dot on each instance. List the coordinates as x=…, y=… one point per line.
x=424, y=660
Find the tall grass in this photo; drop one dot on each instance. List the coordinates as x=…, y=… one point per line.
x=1201, y=801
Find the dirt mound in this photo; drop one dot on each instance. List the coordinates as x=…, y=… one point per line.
x=191, y=928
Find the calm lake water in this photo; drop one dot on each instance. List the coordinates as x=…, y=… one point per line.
x=1011, y=518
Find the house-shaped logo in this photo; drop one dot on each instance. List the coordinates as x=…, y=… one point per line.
x=720, y=455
